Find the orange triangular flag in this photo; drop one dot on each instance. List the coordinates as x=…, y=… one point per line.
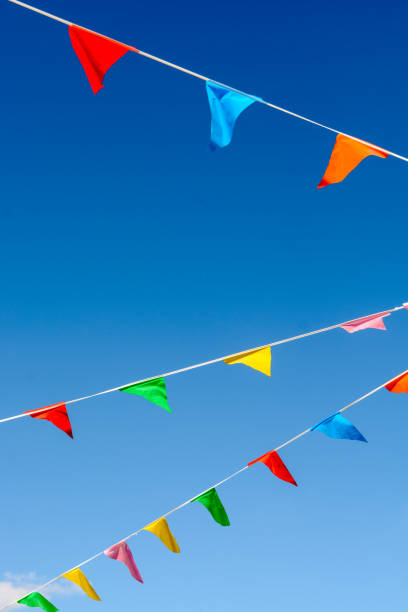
x=96, y=53
x=347, y=154
x=398, y=384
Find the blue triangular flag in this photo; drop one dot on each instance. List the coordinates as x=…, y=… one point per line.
x=336, y=426
x=225, y=106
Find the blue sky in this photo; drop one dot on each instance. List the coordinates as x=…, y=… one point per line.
x=128, y=250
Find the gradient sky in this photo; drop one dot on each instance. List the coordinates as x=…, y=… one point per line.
x=128, y=249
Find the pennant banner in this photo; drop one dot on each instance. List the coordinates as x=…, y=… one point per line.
x=78, y=577
x=152, y=390
x=121, y=552
x=57, y=415
x=212, y=502
x=36, y=600
x=336, y=426
x=347, y=154
x=161, y=529
x=372, y=322
x=276, y=465
x=96, y=53
x=225, y=106
x=399, y=384
x=258, y=360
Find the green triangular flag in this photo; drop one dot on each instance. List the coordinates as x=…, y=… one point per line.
x=214, y=506
x=36, y=600
x=152, y=390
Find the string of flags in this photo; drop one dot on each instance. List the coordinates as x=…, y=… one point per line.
x=334, y=426
x=154, y=389
x=98, y=53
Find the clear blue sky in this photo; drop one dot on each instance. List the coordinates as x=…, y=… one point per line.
x=128, y=249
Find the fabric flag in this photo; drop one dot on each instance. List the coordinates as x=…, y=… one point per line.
x=225, y=106
x=57, y=415
x=276, y=465
x=214, y=505
x=161, y=529
x=347, y=154
x=78, y=577
x=96, y=53
x=371, y=322
x=398, y=384
x=258, y=360
x=121, y=552
x=152, y=390
x=336, y=426
x=36, y=600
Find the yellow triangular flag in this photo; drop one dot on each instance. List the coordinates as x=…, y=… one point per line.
x=79, y=578
x=161, y=529
x=259, y=360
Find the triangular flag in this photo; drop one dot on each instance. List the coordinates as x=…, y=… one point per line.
x=161, y=529
x=121, y=552
x=336, y=426
x=152, y=390
x=78, y=577
x=276, y=465
x=347, y=154
x=398, y=384
x=36, y=600
x=371, y=322
x=57, y=415
x=259, y=360
x=214, y=505
x=96, y=53
x=225, y=106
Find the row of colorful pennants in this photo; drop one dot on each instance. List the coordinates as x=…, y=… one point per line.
x=98, y=53
x=335, y=426
x=154, y=390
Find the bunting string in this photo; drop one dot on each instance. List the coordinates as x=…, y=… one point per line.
x=51, y=412
x=208, y=80
x=333, y=426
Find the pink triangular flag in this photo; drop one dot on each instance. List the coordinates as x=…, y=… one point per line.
x=373, y=322
x=121, y=552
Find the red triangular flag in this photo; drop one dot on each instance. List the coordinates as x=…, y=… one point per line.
x=57, y=415
x=346, y=155
x=276, y=465
x=96, y=53
x=399, y=384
